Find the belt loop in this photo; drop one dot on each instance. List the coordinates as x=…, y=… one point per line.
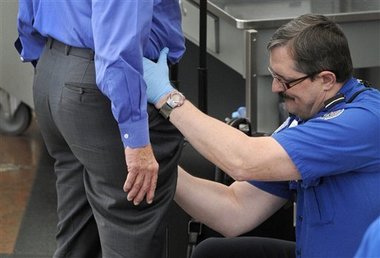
x=67, y=50
x=92, y=54
x=50, y=40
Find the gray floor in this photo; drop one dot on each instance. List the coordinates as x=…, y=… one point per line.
x=36, y=237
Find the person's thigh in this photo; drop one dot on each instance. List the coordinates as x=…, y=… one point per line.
x=77, y=233
x=86, y=122
x=244, y=247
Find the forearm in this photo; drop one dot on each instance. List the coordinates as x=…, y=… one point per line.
x=240, y=156
x=212, y=138
x=208, y=202
x=230, y=210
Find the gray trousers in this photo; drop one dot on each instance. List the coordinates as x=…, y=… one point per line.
x=94, y=217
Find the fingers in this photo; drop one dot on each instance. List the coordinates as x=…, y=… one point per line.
x=142, y=175
x=152, y=189
x=142, y=186
x=131, y=186
x=163, y=55
x=129, y=182
x=147, y=61
x=161, y=59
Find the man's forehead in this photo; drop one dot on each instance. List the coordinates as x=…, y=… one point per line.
x=281, y=62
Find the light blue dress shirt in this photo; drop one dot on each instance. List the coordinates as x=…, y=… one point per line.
x=120, y=32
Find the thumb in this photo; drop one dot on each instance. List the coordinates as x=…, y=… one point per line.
x=163, y=55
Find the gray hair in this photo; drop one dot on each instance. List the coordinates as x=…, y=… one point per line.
x=316, y=44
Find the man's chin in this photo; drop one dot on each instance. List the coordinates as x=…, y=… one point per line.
x=289, y=104
x=288, y=101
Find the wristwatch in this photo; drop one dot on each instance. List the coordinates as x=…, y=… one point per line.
x=176, y=99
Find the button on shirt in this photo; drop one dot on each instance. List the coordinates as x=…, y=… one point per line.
x=120, y=33
x=337, y=153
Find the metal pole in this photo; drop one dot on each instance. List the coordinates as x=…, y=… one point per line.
x=202, y=69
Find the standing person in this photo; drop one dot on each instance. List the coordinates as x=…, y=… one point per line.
x=327, y=152
x=115, y=157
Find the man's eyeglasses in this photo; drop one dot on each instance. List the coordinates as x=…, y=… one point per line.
x=288, y=84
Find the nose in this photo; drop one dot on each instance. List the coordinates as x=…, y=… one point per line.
x=277, y=86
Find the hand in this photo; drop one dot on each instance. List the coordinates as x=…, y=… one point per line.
x=156, y=76
x=142, y=174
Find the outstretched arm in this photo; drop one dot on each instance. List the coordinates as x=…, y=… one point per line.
x=230, y=210
x=241, y=156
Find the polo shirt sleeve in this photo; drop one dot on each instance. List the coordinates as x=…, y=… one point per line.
x=280, y=189
x=343, y=141
x=370, y=245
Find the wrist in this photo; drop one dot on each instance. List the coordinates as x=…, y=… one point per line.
x=171, y=101
x=162, y=100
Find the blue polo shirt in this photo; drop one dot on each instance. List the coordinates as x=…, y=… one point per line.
x=337, y=153
x=370, y=245
x=120, y=33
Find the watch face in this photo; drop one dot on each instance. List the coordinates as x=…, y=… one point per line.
x=176, y=99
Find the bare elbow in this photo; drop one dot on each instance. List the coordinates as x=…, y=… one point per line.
x=230, y=234
x=240, y=176
x=243, y=169
x=241, y=173
x=231, y=231
x=236, y=169
x=235, y=226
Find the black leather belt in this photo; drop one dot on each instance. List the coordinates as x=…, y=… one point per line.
x=70, y=50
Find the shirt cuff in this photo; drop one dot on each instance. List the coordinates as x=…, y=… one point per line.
x=135, y=134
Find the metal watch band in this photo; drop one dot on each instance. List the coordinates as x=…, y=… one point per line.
x=165, y=110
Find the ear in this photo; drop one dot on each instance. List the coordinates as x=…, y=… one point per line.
x=328, y=79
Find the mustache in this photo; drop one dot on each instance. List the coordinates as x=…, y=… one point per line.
x=284, y=95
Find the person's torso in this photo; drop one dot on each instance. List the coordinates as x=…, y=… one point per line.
x=334, y=212
x=70, y=22
x=334, y=209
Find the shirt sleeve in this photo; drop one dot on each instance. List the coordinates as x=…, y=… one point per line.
x=120, y=31
x=280, y=188
x=166, y=31
x=370, y=245
x=32, y=42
